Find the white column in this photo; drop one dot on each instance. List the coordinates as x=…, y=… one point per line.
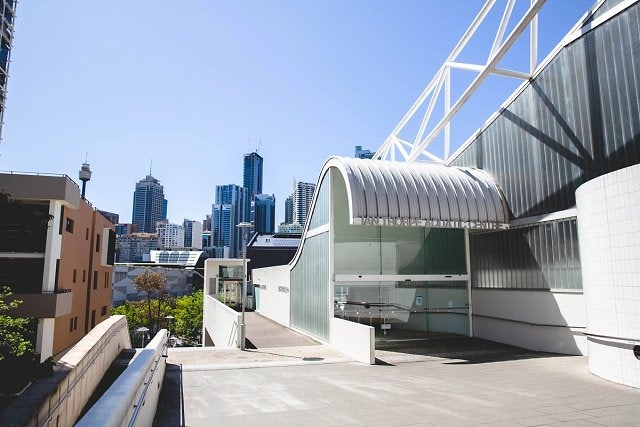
x=53, y=247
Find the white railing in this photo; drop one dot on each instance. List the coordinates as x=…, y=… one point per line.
x=133, y=397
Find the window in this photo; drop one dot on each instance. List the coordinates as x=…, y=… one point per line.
x=106, y=279
x=74, y=276
x=75, y=323
x=61, y=220
x=93, y=318
x=55, y=283
x=95, y=280
x=98, y=243
x=69, y=226
x=71, y=325
x=84, y=276
x=103, y=310
x=86, y=234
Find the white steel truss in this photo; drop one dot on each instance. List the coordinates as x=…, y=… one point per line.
x=418, y=149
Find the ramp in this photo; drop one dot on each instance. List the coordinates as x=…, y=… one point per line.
x=265, y=333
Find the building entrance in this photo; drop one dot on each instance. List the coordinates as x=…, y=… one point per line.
x=404, y=309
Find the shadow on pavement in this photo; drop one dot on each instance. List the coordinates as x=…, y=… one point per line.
x=464, y=350
x=170, y=411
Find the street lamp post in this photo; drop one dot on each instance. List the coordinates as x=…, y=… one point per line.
x=142, y=330
x=169, y=319
x=245, y=226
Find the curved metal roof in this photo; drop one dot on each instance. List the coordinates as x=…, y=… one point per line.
x=420, y=194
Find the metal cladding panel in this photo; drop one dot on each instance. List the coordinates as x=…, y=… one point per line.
x=419, y=191
x=545, y=256
x=578, y=119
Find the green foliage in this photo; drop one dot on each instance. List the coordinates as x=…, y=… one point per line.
x=136, y=313
x=17, y=355
x=154, y=286
x=188, y=317
x=187, y=312
x=13, y=330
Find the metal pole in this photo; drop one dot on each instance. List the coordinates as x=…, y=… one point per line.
x=244, y=284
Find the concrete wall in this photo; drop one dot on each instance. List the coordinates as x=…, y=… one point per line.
x=609, y=234
x=354, y=340
x=220, y=323
x=275, y=301
x=537, y=320
x=133, y=397
x=75, y=378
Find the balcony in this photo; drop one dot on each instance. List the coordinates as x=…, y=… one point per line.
x=43, y=305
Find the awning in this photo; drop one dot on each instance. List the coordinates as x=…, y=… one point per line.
x=420, y=195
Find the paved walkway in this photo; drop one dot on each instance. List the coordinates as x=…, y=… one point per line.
x=307, y=385
x=265, y=333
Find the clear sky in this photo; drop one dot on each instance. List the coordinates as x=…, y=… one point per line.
x=194, y=85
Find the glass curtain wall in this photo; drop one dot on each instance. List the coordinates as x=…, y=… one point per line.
x=397, y=308
x=310, y=286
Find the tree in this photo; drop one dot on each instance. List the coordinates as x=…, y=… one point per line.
x=188, y=317
x=13, y=330
x=136, y=313
x=17, y=355
x=153, y=284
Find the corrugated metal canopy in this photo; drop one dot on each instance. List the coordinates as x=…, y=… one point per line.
x=420, y=194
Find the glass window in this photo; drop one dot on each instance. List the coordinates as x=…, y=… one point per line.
x=401, y=309
x=69, y=225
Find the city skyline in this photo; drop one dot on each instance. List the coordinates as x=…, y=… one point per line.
x=294, y=92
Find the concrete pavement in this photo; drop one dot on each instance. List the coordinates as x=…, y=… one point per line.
x=481, y=387
x=265, y=333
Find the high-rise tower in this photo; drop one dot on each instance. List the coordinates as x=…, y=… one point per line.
x=149, y=204
x=253, y=174
x=6, y=29
x=302, y=197
x=229, y=211
x=265, y=214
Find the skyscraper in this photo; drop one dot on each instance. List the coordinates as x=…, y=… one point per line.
x=302, y=197
x=149, y=204
x=6, y=27
x=192, y=234
x=229, y=210
x=170, y=236
x=288, y=210
x=222, y=227
x=265, y=212
x=252, y=174
x=252, y=181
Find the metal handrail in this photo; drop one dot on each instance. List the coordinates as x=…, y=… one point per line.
x=610, y=337
x=80, y=376
x=528, y=323
x=140, y=402
x=59, y=175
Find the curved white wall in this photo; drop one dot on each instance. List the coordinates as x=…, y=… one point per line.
x=609, y=235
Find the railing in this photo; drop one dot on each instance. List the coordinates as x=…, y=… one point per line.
x=59, y=175
x=133, y=397
x=60, y=399
x=80, y=376
x=141, y=399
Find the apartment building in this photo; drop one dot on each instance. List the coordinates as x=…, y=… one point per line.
x=56, y=254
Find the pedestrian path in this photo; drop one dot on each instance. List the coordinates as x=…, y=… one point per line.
x=265, y=333
x=533, y=391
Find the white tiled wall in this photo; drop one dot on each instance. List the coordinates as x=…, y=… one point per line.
x=609, y=234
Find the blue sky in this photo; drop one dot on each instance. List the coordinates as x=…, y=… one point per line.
x=194, y=85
